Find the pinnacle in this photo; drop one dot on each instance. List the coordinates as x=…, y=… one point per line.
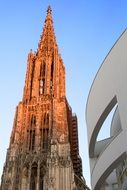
x=49, y=14
x=49, y=10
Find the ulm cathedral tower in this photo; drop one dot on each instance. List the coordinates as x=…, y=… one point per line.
x=43, y=153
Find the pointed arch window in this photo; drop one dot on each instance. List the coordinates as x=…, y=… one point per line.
x=41, y=184
x=33, y=181
x=44, y=118
x=45, y=138
x=51, y=77
x=42, y=69
x=32, y=140
x=31, y=133
x=42, y=86
x=47, y=119
x=44, y=131
x=33, y=121
x=42, y=78
x=52, y=69
x=41, y=178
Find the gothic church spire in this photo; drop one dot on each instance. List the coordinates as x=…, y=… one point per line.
x=48, y=39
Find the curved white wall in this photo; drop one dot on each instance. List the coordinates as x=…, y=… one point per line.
x=109, y=88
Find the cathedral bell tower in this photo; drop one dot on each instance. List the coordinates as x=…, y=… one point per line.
x=43, y=153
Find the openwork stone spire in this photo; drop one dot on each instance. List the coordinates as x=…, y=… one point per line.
x=48, y=39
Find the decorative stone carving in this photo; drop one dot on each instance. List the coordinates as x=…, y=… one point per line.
x=51, y=182
x=25, y=172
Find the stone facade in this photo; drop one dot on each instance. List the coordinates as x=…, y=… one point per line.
x=43, y=153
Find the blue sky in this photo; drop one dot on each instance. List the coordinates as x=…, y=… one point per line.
x=85, y=31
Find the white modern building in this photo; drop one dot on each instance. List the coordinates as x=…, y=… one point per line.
x=108, y=157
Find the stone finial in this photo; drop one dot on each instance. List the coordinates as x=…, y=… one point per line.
x=49, y=10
